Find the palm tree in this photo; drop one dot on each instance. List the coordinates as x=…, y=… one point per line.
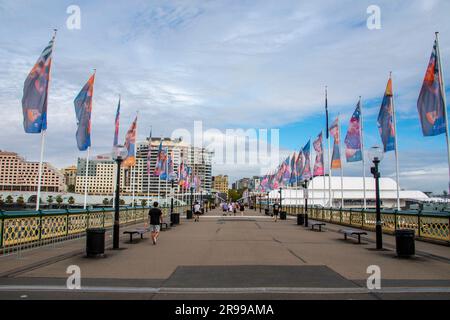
x=71, y=200
x=143, y=202
x=121, y=202
x=105, y=201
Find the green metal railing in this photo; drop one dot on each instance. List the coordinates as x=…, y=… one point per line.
x=18, y=228
x=427, y=225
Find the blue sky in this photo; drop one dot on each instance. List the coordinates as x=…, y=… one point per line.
x=231, y=64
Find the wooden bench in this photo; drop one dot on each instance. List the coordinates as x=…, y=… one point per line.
x=140, y=231
x=317, y=224
x=350, y=232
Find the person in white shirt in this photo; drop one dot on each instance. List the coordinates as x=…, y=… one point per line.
x=196, y=212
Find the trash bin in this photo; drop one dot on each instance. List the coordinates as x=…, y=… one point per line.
x=95, y=242
x=203, y=210
x=189, y=214
x=404, y=240
x=266, y=212
x=175, y=218
x=300, y=219
x=283, y=215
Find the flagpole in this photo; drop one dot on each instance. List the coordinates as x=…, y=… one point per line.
x=444, y=98
x=40, y=170
x=149, y=166
x=342, y=163
x=395, y=150
x=133, y=178
x=361, y=138
x=330, y=197
x=86, y=178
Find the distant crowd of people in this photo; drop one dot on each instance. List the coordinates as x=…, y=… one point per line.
x=229, y=208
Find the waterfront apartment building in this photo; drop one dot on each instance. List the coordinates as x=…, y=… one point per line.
x=101, y=170
x=17, y=174
x=70, y=175
x=220, y=183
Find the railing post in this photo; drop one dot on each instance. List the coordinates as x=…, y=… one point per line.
x=363, y=217
x=40, y=224
x=395, y=220
x=87, y=219
x=67, y=222
x=418, y=223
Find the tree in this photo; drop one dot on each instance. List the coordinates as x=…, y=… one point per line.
x=105, y=201
x=9, y=200
x=445, y=193
x=59, y=200
x=121, y=202
x=20, y=201
x=1, y=200
x=71, y=200
x=71, y=188
x=50, y=199
x=234, y=195
x=143, y=202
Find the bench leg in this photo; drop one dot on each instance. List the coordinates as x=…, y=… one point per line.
x=359, y=239
x=131, y=238
x=345, y=236
x=142, y=236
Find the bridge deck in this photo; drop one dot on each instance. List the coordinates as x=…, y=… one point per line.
x=249, y=256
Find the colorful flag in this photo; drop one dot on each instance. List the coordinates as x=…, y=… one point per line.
x=35, y=92
x=386, y=119
x=164, y=164
x=353, y=137
x=149, y=153
x=83, y=110
x=336, y=157
x=430, y=105
x=318, y=163
x=306, y=171
x=116, y=126
x=171, y=167
x=293, y=178
x=286, y=171
x=326, y=114
x=130, y=145
x=299, y=165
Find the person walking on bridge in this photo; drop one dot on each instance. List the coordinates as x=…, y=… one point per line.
x=276, y=210
x=197, y=212
x=155, y=215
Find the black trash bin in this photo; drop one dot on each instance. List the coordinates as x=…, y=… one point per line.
x=404, y=240
x=95, y=242
x=266, y=212
x=189, y=214
x=175, y=218
x=300, y=219
x=283, y=215
x=203, y=210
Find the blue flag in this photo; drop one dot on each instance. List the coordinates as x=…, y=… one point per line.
x=83, y=109
x=35, y=93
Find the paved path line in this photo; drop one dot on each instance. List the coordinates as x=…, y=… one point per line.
x=293, y=290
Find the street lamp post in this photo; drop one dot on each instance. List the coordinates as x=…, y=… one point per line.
x=376, y=155
x=119, y=153
x=260, y=203
x=305, y=195
x=281, y=199
x=172, y=193
x=268, y=200
x=192, y=199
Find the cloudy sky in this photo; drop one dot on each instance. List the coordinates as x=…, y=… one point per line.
x=229, y=64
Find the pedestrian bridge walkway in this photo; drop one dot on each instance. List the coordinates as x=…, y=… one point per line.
x=226, y=257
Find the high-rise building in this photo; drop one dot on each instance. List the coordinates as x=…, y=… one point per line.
x=220, y=183
x=70, y=175
x=101, y=170
x=17, y=174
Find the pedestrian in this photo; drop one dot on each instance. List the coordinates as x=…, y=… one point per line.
x=224, y=208
x=234, y=208
x=230, y=208
x=241, y=208
x=276, y=209
x=155, y=215
x=196, y=212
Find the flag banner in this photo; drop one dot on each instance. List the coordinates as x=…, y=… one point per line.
x=352, y=140
x=149, y=153
x=158, y=164
x=386, y=119
x=299, y=165
x=286, y=171
x=116, y=126
x=430, y=104
x=35, y=92
x=326, y=114
x=171, y=167
x=293, y=178
x=306, y=172
x=130, y=145
x=83, y=110
x=336, y=157
x=318, y=163
x=164, y=175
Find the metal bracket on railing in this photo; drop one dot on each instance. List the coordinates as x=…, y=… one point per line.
x=2, y=227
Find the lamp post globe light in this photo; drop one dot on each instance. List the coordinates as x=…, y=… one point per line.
x=118, y=154
x=376, y=155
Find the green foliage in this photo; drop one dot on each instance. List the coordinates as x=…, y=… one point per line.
x=71, y=188
x=121, y=202
x=9, y=200
x=71, y=200
x=20, y=201
x=105, y=201
x=59, y=199
x=143, y=202
x=50, y=199
x=234, y=195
